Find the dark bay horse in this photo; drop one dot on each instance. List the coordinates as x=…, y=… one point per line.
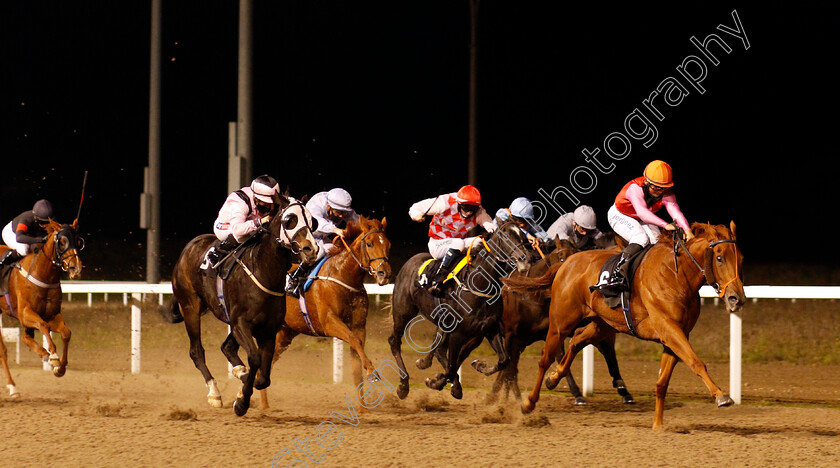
x=665, y=304
x=469, y=313
x=253, y=303
x=34, y=294
x=337, y=303
x=526, y=322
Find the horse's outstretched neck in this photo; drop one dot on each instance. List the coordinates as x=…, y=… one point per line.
x=171, y=312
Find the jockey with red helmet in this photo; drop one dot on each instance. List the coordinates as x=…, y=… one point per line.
x=453, y=216
x=633, y=216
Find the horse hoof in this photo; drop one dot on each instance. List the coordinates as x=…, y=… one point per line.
x=457, y=392
x=240, y=372
x=13, y=393
x=549, y=383
x=527, y=406
x=215, y=402
x=402, y=391
x=724, y=400
x=423, y=363
x=240, y=406
x=59, y=371
x=262, y=384
x=628, y=400
x=580, y=401
x=54, y=360
x=478, y=365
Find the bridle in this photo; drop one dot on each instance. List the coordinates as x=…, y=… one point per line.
x=364, y=253
x=523, y=244
x=75, y=243
x=708, y=256
x=287, y=224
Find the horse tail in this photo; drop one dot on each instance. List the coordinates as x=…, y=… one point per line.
x=171, y=312
x=526, y=284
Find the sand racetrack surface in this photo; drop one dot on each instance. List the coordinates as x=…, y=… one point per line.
x=99, y=414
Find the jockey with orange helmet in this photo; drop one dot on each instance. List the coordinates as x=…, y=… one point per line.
x=633, y=216
x=453, y=216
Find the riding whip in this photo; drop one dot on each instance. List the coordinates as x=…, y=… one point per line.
x=84, y=183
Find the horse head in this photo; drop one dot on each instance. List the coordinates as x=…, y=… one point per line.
x=563, y=248
x=63, y=245
x=509, y=243
x=293, y=226
x=375, y=249
x=722, y=262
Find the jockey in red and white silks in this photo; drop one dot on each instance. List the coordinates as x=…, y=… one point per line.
x=453, y=216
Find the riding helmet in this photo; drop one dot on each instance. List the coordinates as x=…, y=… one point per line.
x=659, y=173
x=43, y=210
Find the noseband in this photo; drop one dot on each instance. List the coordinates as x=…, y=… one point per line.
x=289, y=243
x=708, y=255
x=365, y=255
x=75, y=243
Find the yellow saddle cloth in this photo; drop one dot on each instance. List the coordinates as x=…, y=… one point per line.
x=461, y=263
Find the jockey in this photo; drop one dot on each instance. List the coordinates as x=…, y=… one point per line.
x=522, y=212
x=633, y=214
x=577, y=227
x=453, y=216
x=332, y=212
x=244, y=212
x=24, y=230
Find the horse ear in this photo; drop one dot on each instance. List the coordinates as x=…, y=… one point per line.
x=304, y=199
x=281, y=200
x=698, y=229
x=557, y=241
x=75, y=224
x=732, y=228
x=384, y=223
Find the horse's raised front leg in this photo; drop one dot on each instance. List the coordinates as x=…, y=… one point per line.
x=497, y=342
x=31, y=322
x=336, y=328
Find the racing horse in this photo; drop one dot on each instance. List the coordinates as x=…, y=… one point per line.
x=665, y=305
x=251, y=300
x=525, y=320
x=469, y=313
x=337, y=303
x=34, y=294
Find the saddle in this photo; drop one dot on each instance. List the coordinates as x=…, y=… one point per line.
x=618, y=294
x=432, y=265
x=226, y=265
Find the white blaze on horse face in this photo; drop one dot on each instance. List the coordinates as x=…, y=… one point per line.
x=295, y=219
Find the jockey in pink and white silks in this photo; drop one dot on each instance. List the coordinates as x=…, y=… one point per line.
x=633, y=216
x=453, y=216
x=242, y=214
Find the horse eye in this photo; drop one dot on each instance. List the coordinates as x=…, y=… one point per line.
x=719, y=259
x=290, y=221
x=370, y=244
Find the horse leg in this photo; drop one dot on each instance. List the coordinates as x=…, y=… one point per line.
x=666, y=368
x=460, y=355
x=32, y=321
x=336, y=328
x=607, y=349
x=282, y=342
x=246, y=341
x=4, y=361
x=674, y=338
x=266, y=345
x=426, y=361
x=553, y=340
x=59, y=326
x=230, y=348
x=192, y=323
x=570, y=380
x=497, y=342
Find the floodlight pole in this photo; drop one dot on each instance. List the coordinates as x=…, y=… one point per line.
x=473, y=116
x=151, y=196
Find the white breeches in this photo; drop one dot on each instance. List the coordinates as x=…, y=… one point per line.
x=438, y=247
x=10, y=239
x=632, y=230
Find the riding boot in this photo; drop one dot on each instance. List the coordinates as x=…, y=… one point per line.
x=294, y=280
x=10, y=257
x=619, y=273
x=439, y=276
x=218, y=252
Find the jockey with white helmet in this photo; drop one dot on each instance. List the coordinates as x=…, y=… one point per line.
x=577, y=227
x=243, y=213
x=332, y=211
x=453, y=216
x=522, y=212
x=24, y=230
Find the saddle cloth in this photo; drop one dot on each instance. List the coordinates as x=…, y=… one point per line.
x=613, y=294
x=432, y=265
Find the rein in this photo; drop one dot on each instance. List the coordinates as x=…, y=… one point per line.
x=364, y=253
x=707, y=271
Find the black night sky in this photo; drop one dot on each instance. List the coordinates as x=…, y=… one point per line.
x=373, y=97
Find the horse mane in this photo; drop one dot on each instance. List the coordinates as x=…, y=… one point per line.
x=525, y=284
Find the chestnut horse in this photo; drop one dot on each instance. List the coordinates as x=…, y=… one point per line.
x=253, y=302
x=337, y=303
x=34, y=294
x=665, y=305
